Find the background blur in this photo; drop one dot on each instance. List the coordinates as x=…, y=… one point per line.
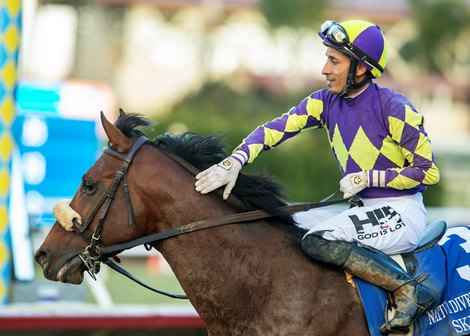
x=212, y=67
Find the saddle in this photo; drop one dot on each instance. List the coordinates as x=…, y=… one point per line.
x=432, y=234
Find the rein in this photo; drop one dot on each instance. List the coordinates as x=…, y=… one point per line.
x=95, y=254
x=211, y=223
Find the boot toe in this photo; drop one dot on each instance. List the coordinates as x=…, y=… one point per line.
x=406, y=315
x=387, y=329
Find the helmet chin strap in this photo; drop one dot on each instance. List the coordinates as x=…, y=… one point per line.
x=351, y=80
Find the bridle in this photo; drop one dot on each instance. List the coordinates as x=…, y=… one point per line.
x=91, y=257
x=94, y=254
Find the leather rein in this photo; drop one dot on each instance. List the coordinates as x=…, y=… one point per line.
x=95, y=254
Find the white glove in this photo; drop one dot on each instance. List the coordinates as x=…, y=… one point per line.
x=223, y=173
x=353, y=183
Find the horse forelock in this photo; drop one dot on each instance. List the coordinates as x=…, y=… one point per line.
x=129, y=122
x=259, y=192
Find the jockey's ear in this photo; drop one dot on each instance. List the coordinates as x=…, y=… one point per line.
x=360, y=70
x=117, y=139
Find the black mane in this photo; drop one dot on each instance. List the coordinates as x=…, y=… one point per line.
x=258, y=192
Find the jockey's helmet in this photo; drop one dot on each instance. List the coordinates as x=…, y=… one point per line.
x=359, y=39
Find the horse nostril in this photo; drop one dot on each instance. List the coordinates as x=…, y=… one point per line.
x=42, y=257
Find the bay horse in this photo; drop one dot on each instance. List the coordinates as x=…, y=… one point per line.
x=242, y=279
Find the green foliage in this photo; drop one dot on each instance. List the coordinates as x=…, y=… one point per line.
x=294, y=13
x=438, y=22
x=303, y=164
x=434, y=195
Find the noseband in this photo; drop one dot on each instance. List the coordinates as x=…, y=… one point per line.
x=91, y=256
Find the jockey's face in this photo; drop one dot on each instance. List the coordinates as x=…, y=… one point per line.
x=336, y=70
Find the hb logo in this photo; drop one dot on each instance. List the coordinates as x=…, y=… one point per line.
x=376, y=217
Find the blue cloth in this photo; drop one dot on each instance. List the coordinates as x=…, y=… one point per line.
x=448, y=266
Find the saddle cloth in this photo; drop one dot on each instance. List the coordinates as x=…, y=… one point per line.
x=448, y=266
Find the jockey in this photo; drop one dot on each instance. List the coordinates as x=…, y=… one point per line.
x=384, y=155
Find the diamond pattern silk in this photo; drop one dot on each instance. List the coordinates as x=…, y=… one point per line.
x=10, y=28
x=378, y=131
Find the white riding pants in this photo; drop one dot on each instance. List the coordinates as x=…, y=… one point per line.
x=392, y=225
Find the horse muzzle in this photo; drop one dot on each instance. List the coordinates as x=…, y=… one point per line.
x=71, y=271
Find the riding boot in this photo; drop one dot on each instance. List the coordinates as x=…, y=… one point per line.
x=411, y=297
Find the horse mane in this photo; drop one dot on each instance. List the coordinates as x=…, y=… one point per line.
x=256, y=191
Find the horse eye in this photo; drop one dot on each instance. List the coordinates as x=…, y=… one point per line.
x=88, y=187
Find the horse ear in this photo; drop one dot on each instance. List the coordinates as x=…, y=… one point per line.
x=118, y=140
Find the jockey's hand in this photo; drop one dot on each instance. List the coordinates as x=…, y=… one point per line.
x=223, y=173
x=353, y=183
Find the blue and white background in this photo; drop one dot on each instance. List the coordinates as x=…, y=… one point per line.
x=53, y=152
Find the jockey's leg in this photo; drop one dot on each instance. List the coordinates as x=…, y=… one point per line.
x=376, y=267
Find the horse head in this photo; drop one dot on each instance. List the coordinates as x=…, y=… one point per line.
x=95, y=215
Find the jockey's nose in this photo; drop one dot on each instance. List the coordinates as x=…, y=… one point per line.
x=42, y=257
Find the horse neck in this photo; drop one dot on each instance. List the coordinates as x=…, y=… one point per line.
x=222, y=267
x=226, y=267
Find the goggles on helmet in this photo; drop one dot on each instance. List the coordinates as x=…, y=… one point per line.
x=337, y=36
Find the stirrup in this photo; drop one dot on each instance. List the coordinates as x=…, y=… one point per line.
x=421, y=307
x=386, y=328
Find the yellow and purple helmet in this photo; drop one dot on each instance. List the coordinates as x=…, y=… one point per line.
x=359, y=39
